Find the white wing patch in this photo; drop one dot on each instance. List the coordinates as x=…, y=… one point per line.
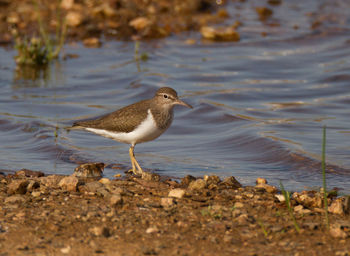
x=146, y=131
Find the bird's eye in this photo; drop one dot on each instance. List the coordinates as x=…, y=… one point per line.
x=165, y=96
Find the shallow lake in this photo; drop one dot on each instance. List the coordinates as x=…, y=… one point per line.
x=259, y=104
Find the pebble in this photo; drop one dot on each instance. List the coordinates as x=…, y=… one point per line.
x=167, y=202
x=177, y=193
x=69, y=183
x=231, y=182
x=151, y=230
x=92, y=187
x=105, y=181
x=67, y=4
x=17, y=187
x=198, y=184
x=89, y=170
x=36, y=193
x=238, y=205
x=29, y=173
x=261, y=181
x=337, y=207
x=213, y=179
x=267, y=188
x=336, y=231
x=185, y=181
x=100, y=231
x=300, y=209
x=74, y=19
x=280, y=197
x=33, y=184
x=140, y=23
x=50, y=181
x=308, y=198
x=15, y=199
x=147, y=176
x=116, y=200
x=66, y=250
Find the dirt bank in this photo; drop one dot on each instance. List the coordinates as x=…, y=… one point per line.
x=56, y=215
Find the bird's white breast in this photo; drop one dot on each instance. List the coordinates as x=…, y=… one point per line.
x=146, y=131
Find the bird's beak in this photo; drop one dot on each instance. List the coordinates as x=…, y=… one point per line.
x=180, y=102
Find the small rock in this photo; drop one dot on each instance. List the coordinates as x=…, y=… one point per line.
x=51, y=180
x=280, y=197
x=12, y=18
x=267, y=188
x=116, y=200
x=140, y=23
x=89, y=170
x=336, y=231
x=67, y=4
x=238, y=205
x=151, y=230
x=74, y=19
x=15, y=199
x=300, y=209
x=92, y=42
x=198, y=184
x=212, y=181
x=167, y=202
x=36, y=193
x=242, y=219
x=100, y=231
x=105, y=181
x=66, y=250
x=337, y=206
x=261, y=181
x=185, y=181
x=69, y=183
x=33, y=184
x=231, y=182
x=220, y=33
x=91, y=187
x=29, y=173
x=308, y=198
x=17, y=187
x=177, y=193
x=147, y=176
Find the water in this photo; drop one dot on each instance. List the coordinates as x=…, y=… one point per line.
x=259, y=105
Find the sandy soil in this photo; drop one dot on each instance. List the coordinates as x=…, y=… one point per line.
x=56, y=215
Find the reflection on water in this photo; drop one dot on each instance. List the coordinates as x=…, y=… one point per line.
x=38, y=76
x=259, y=105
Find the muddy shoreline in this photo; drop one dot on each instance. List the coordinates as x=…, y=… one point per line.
x=115, y=19
x=57, y=215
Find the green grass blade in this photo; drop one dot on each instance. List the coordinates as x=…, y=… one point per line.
x=325, y=201
x=290, y=210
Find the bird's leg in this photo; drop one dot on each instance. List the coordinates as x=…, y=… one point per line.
x=131, y=154
x=134, y=163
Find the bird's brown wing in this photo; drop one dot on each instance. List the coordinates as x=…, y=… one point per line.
x=122, y=120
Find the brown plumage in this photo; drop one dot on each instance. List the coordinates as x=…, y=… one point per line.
x=139, y=122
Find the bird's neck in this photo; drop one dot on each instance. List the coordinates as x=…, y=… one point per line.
x=163, y=117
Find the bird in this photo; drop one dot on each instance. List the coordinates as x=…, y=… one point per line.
x=137, y=123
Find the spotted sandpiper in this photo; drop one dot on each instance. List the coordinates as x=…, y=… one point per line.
x=140, y=122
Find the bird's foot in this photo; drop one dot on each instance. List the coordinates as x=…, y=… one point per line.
x=135, y=172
